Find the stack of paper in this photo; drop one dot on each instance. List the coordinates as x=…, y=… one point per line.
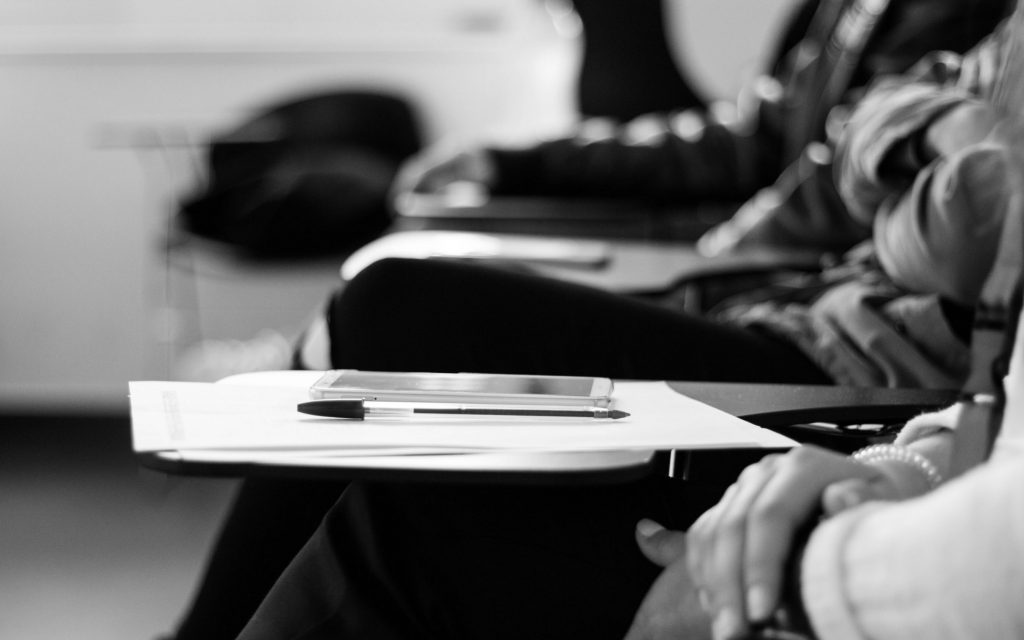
x=254, y=418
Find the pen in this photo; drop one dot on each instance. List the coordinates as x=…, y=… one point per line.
x=358, y=410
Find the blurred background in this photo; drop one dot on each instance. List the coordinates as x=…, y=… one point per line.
x=104, y=108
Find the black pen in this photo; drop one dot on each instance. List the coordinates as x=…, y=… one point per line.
x=359, y=409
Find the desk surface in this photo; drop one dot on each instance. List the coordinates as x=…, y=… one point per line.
x=618, y=218
x=775, y=405
x=623, y=265
x=765, y=405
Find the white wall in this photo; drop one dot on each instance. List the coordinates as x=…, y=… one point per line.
x=722, y=41
x=80, y=90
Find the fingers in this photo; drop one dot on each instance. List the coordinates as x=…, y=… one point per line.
x=658, y=544
x=962, y=126
x=843, y=495
x=737, y=551
x=719, y=565
x=847, y=494
x=786, y=502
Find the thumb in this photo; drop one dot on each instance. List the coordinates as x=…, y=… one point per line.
x=846, y=494
x=658, y=544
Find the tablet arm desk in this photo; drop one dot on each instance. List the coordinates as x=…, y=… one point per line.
x=785, y=408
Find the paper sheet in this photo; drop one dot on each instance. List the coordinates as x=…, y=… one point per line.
x=262, y=418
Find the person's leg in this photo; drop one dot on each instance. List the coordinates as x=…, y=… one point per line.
x=416, y=315
x=447, y=316
x=269, y=521
x=491, y=562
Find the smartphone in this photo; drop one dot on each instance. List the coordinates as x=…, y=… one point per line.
x=466, y=388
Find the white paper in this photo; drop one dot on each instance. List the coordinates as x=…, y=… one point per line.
x=252, y=417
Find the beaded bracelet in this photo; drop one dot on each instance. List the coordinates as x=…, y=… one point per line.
x=885, y=452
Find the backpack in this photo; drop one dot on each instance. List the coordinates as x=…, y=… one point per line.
x=309, y=176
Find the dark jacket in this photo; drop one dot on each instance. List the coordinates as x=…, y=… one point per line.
x=690, y=157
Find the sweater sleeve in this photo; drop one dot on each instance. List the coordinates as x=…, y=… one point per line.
x=925, y=211
x=956, y=203
x=890, y=119
x=947, y=565
x=875, y=154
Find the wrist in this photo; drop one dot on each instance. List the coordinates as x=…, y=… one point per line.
x=956, y=128
x=910, y=472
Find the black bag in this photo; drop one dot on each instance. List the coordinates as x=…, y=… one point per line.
x=306, y=177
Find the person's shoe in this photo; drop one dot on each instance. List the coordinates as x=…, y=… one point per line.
x=211, y=360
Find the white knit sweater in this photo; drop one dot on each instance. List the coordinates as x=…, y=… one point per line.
x=947, y=565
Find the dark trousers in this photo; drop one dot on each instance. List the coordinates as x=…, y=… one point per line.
x=415, y=315
x=490, y=562
x=448, y=316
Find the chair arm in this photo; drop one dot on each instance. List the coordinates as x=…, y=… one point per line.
x=796, y=411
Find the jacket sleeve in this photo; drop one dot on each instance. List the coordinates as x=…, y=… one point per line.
x=942, y=566
x=694, y=157
x=803, y=208
x=680, y=157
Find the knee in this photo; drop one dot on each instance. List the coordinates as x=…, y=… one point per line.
x=381, y=276
x=380, y=305
x=378, y=285
x=393, y=285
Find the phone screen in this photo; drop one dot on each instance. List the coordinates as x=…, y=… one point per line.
x=464, y=383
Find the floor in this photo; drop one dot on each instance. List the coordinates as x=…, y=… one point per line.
x=91, y=546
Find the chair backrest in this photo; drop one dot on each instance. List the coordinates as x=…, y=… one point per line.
x=307, y=176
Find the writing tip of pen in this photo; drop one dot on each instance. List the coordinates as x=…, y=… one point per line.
x=615, y=414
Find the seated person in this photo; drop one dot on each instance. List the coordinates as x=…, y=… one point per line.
x=934, y=566
x=394, y=560
x=917, y=167
x=782, y=123
x=779, y=143
x=530, y=316
x=939, y=565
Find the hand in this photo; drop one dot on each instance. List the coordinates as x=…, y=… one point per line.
x=962, y=126
x=438, y=169
x=670, y=610
x=737, y=551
